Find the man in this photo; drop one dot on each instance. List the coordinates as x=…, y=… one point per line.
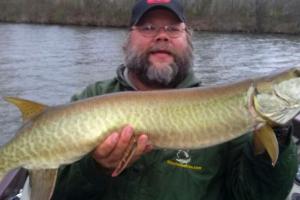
x=158, y=55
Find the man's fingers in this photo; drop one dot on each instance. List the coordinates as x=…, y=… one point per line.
x=124, y=140
x=106, y=147
x=148, y=148
x=142, y=142
x=110, y=152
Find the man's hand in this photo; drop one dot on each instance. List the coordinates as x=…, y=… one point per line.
x=109, y=153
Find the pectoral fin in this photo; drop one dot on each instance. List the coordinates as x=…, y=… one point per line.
x=42, y=183
x=258, y=146
x=265, y=139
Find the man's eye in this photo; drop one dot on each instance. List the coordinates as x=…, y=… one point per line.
x=173, y=29
x=148, y=28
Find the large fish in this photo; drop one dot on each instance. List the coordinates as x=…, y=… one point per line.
x=173, y=119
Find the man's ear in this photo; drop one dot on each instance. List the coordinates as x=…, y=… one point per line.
x=126, y=43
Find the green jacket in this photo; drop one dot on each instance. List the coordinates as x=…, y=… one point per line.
x=228, y=171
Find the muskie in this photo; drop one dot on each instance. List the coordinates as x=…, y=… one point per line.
x=173, y=119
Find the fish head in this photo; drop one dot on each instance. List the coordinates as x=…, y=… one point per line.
x=282, y=104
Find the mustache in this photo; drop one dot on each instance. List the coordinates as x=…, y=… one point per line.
x=161, y=48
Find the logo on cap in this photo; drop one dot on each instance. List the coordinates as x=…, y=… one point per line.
x=158, y=1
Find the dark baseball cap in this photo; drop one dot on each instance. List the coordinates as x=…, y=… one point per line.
x=142, y=6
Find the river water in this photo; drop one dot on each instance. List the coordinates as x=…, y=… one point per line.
x=49, y=63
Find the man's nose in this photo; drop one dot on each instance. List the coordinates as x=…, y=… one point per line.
x=162, y=36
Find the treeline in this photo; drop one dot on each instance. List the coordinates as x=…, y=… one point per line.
x=276, y=16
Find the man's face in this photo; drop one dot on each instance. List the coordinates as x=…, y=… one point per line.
x=161, y=60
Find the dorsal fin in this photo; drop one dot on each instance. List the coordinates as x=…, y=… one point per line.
x=29, y=109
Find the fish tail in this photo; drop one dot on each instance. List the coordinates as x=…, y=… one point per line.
x=5, y=166
x=2, y=174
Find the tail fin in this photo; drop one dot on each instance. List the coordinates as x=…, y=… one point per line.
x=2, y=174
x=5, y=166
x=3, y=171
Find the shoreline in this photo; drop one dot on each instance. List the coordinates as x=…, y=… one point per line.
x=244, y=16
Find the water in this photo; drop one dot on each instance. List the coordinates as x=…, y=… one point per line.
x=50, y=63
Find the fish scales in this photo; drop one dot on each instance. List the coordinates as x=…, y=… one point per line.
x=81, y=123
x=173, y=119
x=152, y=117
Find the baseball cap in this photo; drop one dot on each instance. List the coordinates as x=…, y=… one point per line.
x=143, y=6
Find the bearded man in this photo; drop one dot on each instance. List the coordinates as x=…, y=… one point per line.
x=158, y=55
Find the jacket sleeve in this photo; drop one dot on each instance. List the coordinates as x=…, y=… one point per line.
x=251, y=177
x=83, y=179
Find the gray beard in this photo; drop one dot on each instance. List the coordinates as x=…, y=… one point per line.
x=164, y=76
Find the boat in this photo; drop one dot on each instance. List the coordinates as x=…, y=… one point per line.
x=12, y=185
